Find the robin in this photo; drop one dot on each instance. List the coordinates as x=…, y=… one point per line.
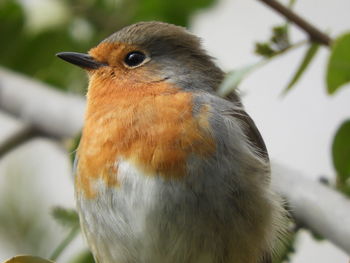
x=166, y=170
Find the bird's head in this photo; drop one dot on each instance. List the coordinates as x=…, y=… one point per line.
x=149, y=52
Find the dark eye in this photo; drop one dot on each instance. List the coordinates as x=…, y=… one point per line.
x=134, y=58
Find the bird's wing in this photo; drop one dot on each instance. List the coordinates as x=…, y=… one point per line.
x=236, y=120
x=232, y=110
x=251, y=130
x=267, y=258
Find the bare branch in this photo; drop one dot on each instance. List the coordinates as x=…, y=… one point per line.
x=316, y=206
x=19, y=136
x=314, y=33
x=48, y=110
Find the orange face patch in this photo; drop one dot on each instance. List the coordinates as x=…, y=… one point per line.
x=149, y=124
x=110, y=53
x=113, y=53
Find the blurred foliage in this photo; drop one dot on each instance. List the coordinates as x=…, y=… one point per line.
x=278, y=42
x=31, y=49
x=308, y=57
x=337, y=76
x=74, y=231
x=66, y=217
x=338, y=70
x=280, y=37
x=341, y=157
x=83, y=257
x=234, y=78
x=27, y=259
x=264, y=49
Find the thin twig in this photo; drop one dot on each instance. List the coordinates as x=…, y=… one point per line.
x=314, y=33
x=289, y=48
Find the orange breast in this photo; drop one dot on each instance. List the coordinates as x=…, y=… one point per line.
x=151, y=126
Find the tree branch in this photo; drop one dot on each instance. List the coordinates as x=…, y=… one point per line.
x=314, y=33
x=21, y=135
x=314, y=205
x=46, y=109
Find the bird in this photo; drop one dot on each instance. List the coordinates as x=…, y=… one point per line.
x=167, y=171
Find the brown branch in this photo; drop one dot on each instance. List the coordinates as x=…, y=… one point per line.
x=25, y=133
x=314, y=34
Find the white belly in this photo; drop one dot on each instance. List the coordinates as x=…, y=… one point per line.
x=150, y=219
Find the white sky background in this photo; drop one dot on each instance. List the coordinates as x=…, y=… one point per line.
x=298, y=128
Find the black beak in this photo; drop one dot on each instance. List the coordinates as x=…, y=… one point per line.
x=82, y=60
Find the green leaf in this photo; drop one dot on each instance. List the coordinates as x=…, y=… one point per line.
x=309, y=55
x=341, y=156
x=291, y=3
x=341, y=150
x=177, y=12
x=83, y=257
x=316, y=236
x=27, y=259
x=338, y=69
x=65, y=242
x=34, y=53
x=278, y=42
x=280, y=37
x=234, y=78
x=264, y=49
x=66, y=217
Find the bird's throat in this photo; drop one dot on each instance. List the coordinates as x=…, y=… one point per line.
x=153, y=128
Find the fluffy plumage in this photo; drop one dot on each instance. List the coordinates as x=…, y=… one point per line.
x=168, y=171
